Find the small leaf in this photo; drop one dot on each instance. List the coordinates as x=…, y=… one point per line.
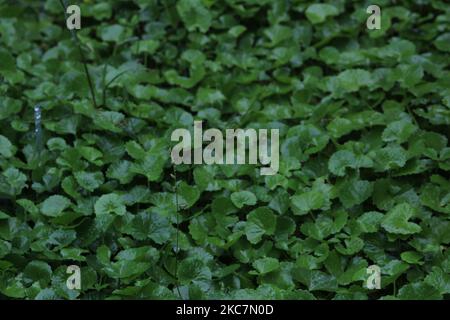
x=6, y=148
x=305, y=202
x=38, y=271
x=418, y=291
x=53, y=206
x=318, y=12
x=266, y=265
x=110, y=204
x=194, y=15
x=396, y=220
x=260, y=221
x=353, y=192
x=243, y=198
x=89, y=180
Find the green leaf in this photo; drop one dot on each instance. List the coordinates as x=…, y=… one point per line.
x=150, y=166
x=353, y=192
x=411, y=257
x=396, y=220
x=146, y=225
x=91, y=154
x=439, y=280
x=126, y=269
x=4, y=216
x=47, y=294
x=352, y=246
x=110, y=204
x=75, y=254
x=103, y=254
x=318, y=12
x=38, y=271
x=304, y=203
x=113, y=33
x=260, y=222
x=442, y=42
x=120, y=170
x=89, y=180
x=54, y=206
x=187, y=195
x=12, y=182
x=399, y=131
x=109, y=120
x=7, y=61
x=14, y=289
x=5, y=248
x=146, y=46
x=316, y=280
x=266, y=265
x=343, y=159
x=194, y=15
x=369, y=222
x=7, y=150
x=349, y=81
x=193, y=269
x=389, y=158
x=141, y=254
x=243, y=198
x=418, y=291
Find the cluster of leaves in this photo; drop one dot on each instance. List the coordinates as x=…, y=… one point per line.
x=364, y=121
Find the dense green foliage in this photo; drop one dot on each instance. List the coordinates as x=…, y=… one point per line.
x=364, y=121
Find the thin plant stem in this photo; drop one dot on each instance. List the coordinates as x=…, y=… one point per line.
x=177, y=236
x=105, y=86
x=83, y=58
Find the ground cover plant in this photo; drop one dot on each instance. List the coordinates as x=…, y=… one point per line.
x=364, y=121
